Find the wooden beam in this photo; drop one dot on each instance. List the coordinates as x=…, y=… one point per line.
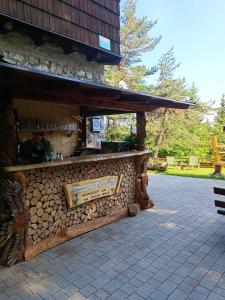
x=219, y=203
x=141, y=130
x=83, y=134
x=8, y=137
x=92, y=112
x=77, y=99
x=219, y=191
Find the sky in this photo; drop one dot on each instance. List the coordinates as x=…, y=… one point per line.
x=196, y=29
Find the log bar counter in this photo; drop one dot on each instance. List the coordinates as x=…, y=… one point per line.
x=53, y=100
x=36, y=210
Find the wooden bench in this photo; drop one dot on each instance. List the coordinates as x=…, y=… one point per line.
x=218, y=203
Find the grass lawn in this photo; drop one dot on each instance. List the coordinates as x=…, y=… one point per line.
x=195, y=172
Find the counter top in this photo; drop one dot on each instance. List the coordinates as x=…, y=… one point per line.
x=76, y=160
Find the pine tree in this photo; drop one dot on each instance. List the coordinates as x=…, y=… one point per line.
x=219, y=121
x=177, y=132
x=136, y=40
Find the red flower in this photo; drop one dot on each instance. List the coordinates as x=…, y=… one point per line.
x=36, y=138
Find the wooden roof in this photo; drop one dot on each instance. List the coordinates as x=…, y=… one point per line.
x=80, y=21
x=23, y=83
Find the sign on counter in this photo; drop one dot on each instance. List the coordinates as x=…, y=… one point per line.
x=85, y=191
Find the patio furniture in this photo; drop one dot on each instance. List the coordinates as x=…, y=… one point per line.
x=193, y=162
x=218, y=203
x=157, y=165
x=171, y=161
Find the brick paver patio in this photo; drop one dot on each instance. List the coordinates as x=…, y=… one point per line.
x=174, y=251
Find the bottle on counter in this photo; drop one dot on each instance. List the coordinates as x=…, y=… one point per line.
x=60, y=156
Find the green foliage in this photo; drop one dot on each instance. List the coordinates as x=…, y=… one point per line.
x=177, y=132
x=134, y=76
x=135, y=37
x=116, y=134
x=135, y=40
x=119, y=127
x=132, y=139
x=220, y=121
x=36, y=150
x=193, y=172
x=169, y=132
x=167, y=65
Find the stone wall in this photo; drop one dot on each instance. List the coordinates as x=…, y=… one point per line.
x=47, y=203
x=19, y=49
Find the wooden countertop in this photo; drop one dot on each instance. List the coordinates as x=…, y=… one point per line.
x=76, y=160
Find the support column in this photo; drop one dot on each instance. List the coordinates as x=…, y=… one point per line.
x=141, y=194
x=83, y=136
x=141, y=130
x=14, y=215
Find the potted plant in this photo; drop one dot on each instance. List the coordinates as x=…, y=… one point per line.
x=37, y=149
x=132, y=139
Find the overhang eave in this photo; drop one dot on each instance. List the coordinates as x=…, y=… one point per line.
x=31, y=84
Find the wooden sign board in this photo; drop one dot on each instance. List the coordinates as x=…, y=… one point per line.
x=85, y=191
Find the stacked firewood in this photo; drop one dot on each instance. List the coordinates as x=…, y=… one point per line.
x=47, y=203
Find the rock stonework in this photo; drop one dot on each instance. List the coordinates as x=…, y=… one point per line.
x=47, y=203
x=19, y=49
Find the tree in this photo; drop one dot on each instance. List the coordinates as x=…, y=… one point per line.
x=136, y=39
x=167, y=65
x=220, y=121
x=170, y=131
x=177, y=132
x=167, y=87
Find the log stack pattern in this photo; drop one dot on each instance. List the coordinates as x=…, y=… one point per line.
x=47, y=203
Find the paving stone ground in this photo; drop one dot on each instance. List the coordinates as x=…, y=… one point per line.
x=175, y=251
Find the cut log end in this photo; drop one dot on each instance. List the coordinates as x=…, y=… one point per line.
x=134, y=209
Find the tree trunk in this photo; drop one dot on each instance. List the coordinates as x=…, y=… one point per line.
x=160, y=136
x=158, y=142
x=141, y=130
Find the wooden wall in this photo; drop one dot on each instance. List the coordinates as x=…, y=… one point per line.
x=81, y=20
x=52, y=113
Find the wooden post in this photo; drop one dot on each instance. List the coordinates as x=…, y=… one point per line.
x=14, y=215
x=141, y=194
x=8, y=139
x=83, y=137
x=141, y=130
x=141, y=182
